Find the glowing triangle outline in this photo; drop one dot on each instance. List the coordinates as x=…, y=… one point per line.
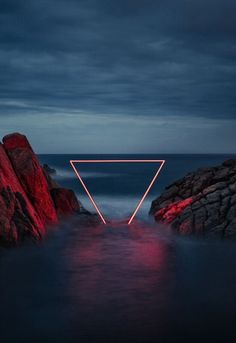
x=162, y=162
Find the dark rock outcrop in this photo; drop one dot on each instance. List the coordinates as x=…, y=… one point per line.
x=66, y=203
x=49, y=170
x=50, y=181
x=30, y=200
x=203, y=202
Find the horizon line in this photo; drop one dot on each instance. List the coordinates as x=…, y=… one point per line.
x=141, y=153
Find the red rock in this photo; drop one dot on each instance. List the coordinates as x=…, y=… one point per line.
x=18, y=218
x=168, y=213
x=65, y=202
x=29, y=197
x=16, y=141
x=31, y=176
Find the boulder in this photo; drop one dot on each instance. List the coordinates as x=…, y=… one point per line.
x=66, y=203
x=202, y=202
x=30, y=200
x=18, y=217
x=49, y=170
x=50, y=181
x=31, y=176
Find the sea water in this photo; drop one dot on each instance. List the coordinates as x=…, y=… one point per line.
x=119, y=282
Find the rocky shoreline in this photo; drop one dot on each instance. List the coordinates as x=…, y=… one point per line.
x=203, y=202
x=30, y=200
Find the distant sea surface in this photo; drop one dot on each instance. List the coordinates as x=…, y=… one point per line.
x=117, y=188
x=118, y=282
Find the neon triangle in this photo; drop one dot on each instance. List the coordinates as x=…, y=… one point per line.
x=73, y=162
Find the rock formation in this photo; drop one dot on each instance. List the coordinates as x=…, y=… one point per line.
x=30, y=200
x=65, y=201
x=31, y=176
x=203, y=202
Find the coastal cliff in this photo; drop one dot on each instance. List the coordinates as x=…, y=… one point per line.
x=30, y=200
x=203, y=202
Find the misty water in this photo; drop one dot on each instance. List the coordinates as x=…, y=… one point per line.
x=119, y=282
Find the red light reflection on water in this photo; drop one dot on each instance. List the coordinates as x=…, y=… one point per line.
x=120, y=273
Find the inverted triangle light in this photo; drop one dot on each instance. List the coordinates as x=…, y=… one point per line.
x=74, y=162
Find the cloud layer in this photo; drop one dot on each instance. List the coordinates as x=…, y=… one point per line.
x=155, y=64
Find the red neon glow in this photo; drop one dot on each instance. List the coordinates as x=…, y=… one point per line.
x=162, y=162
x=168, y=213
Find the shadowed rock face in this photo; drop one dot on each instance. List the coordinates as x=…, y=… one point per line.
x=203, y=202
x=65, y=201
x=30, y=199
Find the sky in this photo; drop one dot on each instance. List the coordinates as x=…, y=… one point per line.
x=127, y=76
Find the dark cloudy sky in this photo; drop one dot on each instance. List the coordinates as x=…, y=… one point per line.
x=119, y=76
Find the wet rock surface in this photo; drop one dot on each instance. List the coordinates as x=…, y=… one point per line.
x=30, y=200
x=202, y=202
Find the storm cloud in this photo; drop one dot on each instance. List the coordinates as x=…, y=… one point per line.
x=157, y=73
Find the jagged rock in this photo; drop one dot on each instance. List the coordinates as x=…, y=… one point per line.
x=66, y=203
x=49, y=170
x=31, y=175
x=50, y=181
x=30, y=199
x=18, y=218
x=203, y=202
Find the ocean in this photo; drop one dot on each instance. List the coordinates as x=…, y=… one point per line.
x=118, y=187
x=119, y=282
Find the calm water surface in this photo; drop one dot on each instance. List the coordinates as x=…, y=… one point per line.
x=118, y=283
